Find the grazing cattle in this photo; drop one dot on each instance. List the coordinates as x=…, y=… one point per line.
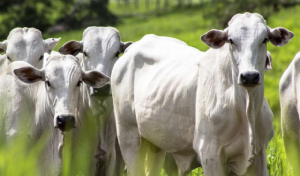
x=289, y=104
x=100, y=48
x=25, y=44
x=184, y=102
x=35, y=101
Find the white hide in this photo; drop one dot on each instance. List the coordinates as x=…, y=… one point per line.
x=289, y=87
x=99, y=50
x=154, y=91
x=184, y=101
x=34, y=98
x=25, y=44
x=239, y=119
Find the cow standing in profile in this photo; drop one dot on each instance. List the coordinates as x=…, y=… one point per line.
x=209, y=105
x=289, y=104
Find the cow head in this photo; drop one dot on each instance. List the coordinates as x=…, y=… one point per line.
x=62, y=76
x=248, y=35
x=100, y=46
x=27, y=44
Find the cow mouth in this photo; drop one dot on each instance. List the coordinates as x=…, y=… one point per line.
x=249, y=86
x=65, y=128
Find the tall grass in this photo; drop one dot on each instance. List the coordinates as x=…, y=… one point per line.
x=186, y=24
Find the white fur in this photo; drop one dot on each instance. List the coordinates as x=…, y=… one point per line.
x=184, y=101
x=25, y=44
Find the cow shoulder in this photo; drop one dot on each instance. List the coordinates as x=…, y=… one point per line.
x=290, y=78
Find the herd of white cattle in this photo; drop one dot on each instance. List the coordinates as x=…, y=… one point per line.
x=162, y=104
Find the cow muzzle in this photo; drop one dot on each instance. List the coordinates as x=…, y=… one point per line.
x=101, y=92
x=249, y=79
x=65, y=122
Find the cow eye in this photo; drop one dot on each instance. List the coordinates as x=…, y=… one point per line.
x=8, y=58
x=48, y=83
x=79, y=83
x=117, y=54
x=265, y=40
x=230, y=41
x=85, y=54
x=41, y=58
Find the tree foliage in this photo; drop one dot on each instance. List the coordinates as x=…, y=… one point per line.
x=87, y=13
x=48, y=13
x=223, y=10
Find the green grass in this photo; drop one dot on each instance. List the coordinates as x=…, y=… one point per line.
x=188, y=24
x=121, y=8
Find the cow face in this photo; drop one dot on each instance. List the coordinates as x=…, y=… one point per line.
x=100, y=46
x=247, y=35
x=27, y=44
x=63, y=77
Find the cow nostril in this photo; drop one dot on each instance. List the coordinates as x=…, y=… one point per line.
x=59, y=120
x=65, y=122
x=250, y=79
x=256, y=79
x=243, y=79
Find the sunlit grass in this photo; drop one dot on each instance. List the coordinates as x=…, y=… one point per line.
x=19, y=156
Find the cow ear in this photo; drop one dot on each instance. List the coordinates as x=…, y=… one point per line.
x=215, y=38
x=123, y=46
x=3, y=46
x=280, y=36
x=95, y=79
x=72, y=47
x=29, y=74
x=268, y=61
x=49, y=44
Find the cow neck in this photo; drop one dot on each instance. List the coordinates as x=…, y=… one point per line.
x=252, y=101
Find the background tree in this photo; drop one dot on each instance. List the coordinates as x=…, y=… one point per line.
x=48, y=13
x=89, y=13
x=223, y=10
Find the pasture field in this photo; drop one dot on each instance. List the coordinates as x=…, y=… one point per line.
x=186, y=24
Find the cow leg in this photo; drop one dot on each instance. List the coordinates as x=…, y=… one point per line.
x=133, y=149
x=184, y=162
x=211, y=160
x=291, y=136
x=292, y=149
x=110, y=136
x=110, y=158
x=120, y=165
x=155, y=159
x=170, y=165
x=212, y=167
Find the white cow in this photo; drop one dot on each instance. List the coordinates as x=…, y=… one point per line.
x=36, y=101
x=290, y=122
x=186, y=102
x=25, y=44
x=100, y=47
